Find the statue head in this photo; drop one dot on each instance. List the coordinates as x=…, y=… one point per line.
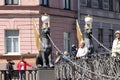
x=45, y=29
x=88, y=31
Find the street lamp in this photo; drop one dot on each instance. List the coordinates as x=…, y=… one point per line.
x=45, y=18
x=88, y=21
x=87, y=35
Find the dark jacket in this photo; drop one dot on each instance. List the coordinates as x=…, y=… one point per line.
x=9, y=67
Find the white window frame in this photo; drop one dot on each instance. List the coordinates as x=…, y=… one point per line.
x=12, y=52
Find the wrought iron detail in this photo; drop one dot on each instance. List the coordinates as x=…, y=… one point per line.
x=96, y=68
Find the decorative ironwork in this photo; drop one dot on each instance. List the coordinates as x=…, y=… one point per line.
x=102, y=67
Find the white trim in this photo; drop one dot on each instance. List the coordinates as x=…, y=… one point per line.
x=12, y=53
x=19, y=3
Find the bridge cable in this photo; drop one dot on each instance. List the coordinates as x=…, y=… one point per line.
x=54, y=44
x=79, y=65
x=100, y=43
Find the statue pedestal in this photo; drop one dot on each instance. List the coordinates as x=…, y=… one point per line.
x=46, y=74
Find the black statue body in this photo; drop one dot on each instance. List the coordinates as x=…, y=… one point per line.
x=88, y=41
x=44, y=57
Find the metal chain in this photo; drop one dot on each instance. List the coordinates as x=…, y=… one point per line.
x=100, y=44
x=54, y=45
x=102, y=75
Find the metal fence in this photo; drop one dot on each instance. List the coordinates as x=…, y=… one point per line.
x=101, y=67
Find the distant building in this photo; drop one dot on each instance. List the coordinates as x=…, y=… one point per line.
x=16, y=29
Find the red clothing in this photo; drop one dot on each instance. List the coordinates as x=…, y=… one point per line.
x=25, y=65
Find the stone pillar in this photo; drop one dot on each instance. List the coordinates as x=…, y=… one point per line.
x=46, y=74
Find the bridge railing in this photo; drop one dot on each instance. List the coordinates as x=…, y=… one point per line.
x=102, y=67
x=29, y=75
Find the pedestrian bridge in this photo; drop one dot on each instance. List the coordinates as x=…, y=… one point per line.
x=99, y=67
x=34, y=74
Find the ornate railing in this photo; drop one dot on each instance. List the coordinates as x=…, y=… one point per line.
x=102, y=67
x=29, y=75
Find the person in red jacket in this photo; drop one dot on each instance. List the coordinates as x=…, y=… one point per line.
x=22, y=66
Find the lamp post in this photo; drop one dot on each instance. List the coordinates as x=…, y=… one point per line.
x=88, y=21
x=46, y=47
x=46, y=43
x=45, y=18
x=87, y=35
x=45, y=24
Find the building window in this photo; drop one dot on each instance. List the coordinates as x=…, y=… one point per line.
x=44, y=2
x=83, y=2
x=67, y=4
x=11, y=2
x=12, y=41
x=100, y=36
x=67, y=41
x=89, y=3
x=111, y=5
x=111, y=37
x=100, y=4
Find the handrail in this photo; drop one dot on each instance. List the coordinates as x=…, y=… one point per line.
x=30, y=74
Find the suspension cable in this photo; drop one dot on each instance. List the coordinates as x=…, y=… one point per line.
x=111, y=77
x=54, y=45
x=100, y=44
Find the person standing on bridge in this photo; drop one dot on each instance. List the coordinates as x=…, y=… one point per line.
x=116, y=44
x=82, y=51
x=73, y=51
x=64, y=57
x=9, y=69
x=22, y=67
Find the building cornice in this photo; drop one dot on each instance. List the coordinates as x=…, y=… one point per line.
x=18, y=56
x=12, y=15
